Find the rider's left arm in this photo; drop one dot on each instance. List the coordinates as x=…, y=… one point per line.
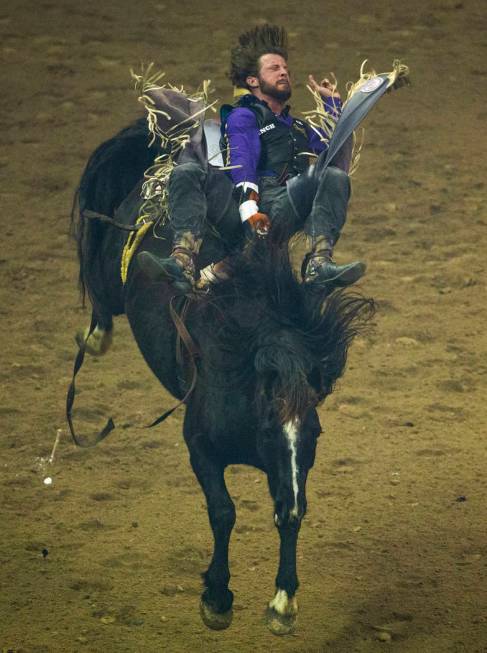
x=332, y=104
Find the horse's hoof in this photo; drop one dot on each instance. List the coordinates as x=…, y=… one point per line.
x=97, y=344
x=281, y=613
x=280, y=624
x=215, y=620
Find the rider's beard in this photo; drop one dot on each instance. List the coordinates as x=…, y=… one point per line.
x=279, y=92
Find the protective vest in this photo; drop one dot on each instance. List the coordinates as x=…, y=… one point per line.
x=282, y=147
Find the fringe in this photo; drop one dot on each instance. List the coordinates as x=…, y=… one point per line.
x=398, y=76
x=323, y=122
x=174, y=133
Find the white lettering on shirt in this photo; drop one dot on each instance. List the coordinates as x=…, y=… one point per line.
x=267, y=128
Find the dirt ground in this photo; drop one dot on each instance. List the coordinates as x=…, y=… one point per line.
x=393, y=551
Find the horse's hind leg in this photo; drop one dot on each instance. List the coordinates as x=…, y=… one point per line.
x=99, y=340
x=217, y=599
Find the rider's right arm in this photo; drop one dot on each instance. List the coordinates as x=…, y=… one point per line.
x=242, y=132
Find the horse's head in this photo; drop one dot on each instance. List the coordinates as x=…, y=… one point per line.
x=290, y=344
x=284, y=371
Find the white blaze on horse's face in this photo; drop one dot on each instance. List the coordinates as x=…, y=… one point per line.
x=291, y=430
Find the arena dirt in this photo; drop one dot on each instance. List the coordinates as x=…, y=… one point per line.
x=393, y=551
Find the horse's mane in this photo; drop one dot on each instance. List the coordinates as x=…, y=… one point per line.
x=266, y=320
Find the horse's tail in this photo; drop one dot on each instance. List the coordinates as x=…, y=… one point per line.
x=112, y=171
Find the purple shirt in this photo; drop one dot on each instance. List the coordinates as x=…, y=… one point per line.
x=244, y=141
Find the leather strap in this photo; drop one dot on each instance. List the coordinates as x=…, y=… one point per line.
x=93, y=215
x=183, y=336
x=109, y=426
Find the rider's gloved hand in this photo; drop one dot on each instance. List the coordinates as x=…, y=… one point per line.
x=401, y=80
x=254, y=221
x=258, y=225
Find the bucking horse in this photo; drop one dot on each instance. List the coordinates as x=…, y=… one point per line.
x=252, y=359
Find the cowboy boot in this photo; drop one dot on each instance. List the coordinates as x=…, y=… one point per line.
x=178, y=268
x=319, y=271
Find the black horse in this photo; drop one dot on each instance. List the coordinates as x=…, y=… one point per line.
x=264, y=354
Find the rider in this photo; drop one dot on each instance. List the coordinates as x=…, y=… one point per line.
x=268, y=153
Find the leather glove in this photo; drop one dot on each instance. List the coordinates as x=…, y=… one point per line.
x=255, y=223
x=258, y=224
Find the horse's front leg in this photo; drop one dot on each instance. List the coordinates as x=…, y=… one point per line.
x=217, y=599
x=282, y=610
x=287, y=481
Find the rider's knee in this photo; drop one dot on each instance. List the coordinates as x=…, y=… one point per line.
x=185, y=178
x=190, y=170
x=337, y=178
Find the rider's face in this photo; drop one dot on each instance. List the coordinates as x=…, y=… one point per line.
x=274, y=79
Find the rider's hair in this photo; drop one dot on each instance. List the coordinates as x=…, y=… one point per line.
x=263, y=39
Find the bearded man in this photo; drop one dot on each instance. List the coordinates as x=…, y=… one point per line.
x=269, y=180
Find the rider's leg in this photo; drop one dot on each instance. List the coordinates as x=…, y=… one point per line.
x=224, y=226
x=215, y=273
x=187, y=210
x=322, y=228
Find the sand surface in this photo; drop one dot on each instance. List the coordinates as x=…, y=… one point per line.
x=394, y=544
